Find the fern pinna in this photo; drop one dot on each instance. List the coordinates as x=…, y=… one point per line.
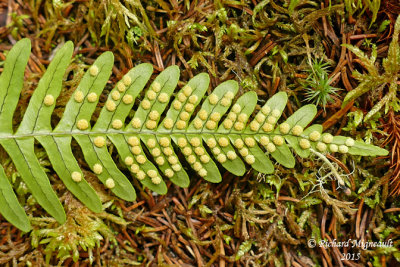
x=150, y=144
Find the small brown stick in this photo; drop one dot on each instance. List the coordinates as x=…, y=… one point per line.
x=335, y=117
x=363, y=36
x=323, y=222
x=391, y=210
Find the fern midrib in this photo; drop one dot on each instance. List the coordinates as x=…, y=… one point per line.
x=142, y=132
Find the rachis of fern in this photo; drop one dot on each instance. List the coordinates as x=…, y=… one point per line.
x=167, y=123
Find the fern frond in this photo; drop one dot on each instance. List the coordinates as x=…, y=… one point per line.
x=206, y=129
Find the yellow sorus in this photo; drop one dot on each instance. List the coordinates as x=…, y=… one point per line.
x=115, y=95
x=156, y=180
x=156, y=87
x=127, y=80
x=193, y=99
x=267, y=127
x=117, y=124
x=232, y=116
x=110, y=105
x=93, y=70
x=215, y=116
x=204, y=158
x=134, y=168
x=136, y=123
x=160, y=161
x=146, y=104
x=197, y=166
x=244, y=152
x=225, y=102
x=228, y=124
x=189, y=107
x=97, y=168
x=156, y=152
x=181, y=97
x=168, y=151
x=343, y=149
x=136, y=150
x=216, y=151
x=266, y=110
x=177, y=105
x=154, y=115
x=211, y=142
x=350, y=142
x=221, y=158
x=260, y=118
x=333, y=148
x=76, y=176
x=150, y=124
x=121, y=87
x=191, y=159
x=176, y=167
x=254, y=126
x=141, y=175
x=110, y=183
x=197, y=123
x=236, y=108
x=250, y=142
x=152, y=173
x=284, y=128
x=151, y=95
x=264, y=140
x=271, y=148
x=169, y=173
x=151, y=143
x=321, y=147
x=199, y=151
x=239, y=126
x=231, y=155
x=278, y=140
x=271, y=119
x=163, y=98
x=141, y=159
x=182, y=142
x=239, y=143
x=242, y=117
x=180, y=124
x=203, y=172
x=229, y=95
x=78, y=96
x=327, y=138
x=128, y=160
x=184, y=116
x=211, y=125
x=223, y=141
x=304, y=144
x=275, y=113
x=99, y=141
x=314, y=136
x=187, y=151
x=187, y=90
x=250, y=159
x=127, y=99
x=164, y=141
x=82, y=124
x=203, y=114
x=297, y=130
x=168, y=123
x=133, y=141
x=195, y=141
x=213, y=98
x=48, y=100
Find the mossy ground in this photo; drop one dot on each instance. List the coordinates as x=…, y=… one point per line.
x=254, y=220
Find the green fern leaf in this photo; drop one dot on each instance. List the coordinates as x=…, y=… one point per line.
x=207, y=129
